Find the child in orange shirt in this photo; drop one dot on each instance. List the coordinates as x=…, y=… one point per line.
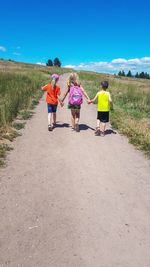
x=52, y=98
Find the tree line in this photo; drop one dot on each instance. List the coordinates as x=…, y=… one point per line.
x=142, y=75
x=56, y=62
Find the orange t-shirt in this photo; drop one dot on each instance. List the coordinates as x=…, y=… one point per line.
x=52, y=93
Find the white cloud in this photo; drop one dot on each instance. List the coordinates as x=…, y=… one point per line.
x=69, y=66
x=135, y=65
x=16, y=54
x=119, y=61
x=41, y=63
x=145, y=59
x=2, y=48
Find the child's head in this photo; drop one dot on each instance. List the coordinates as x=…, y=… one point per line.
x=104, y=85
x=73, y=78
x=55, y=78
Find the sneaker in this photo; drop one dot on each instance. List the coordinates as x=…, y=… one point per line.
x=77, y=128
x=50, y=128
x=97, y=132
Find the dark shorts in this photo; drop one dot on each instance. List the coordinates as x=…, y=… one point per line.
x=51, y=108
x=74, y=106
x=103, y=116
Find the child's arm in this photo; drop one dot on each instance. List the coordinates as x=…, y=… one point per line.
x=85, y=93
x=59, y=98
x=60, y=101
x=65, y=94
x=92, y=100
x=110, y=102
x=44, y=88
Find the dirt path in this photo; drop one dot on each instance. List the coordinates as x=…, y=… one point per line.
x=72, y=199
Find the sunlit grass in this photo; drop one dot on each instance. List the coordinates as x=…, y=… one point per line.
x=20, y=92
x=131, y=115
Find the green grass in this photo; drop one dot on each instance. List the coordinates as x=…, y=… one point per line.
x=17, y=91
x=131, y=97
x=20, y=92
x=137, y=130
x=10, y=135
x=3, y=151
x=18, y=125
x=20, y=87
x=25, y=114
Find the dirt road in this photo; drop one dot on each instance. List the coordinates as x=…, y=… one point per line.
x=71, y=199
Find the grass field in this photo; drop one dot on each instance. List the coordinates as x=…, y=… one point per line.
x=19, y=93
x=131, y=97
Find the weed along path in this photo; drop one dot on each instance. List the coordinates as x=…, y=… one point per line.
x=71, y=199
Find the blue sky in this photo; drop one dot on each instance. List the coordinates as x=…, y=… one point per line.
x=98, y=35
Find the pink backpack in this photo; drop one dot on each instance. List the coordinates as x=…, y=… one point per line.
x=75, y=95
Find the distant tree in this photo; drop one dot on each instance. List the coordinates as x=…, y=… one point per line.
x=57, y=62
x=147, y=75
x=142, y=75
x=123, y=73
x=137, y=75
x=49, y=63
x=120, y=73
x=129, y=74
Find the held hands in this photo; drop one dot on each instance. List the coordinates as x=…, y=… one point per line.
x=61, y=103
x=89, y=101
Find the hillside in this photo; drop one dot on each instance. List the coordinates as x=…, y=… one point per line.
x=19, y=94
x=131, y=97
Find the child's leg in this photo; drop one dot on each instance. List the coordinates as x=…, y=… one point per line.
x=102, y=128
x=54, y=117
x=98, y=121
x=73, y=116
x=104, y=120
x=54, y=109
x=50, y=118
x=98, y=124
x=77, y=117
x=97, y=131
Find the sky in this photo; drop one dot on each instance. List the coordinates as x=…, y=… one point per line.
x=103, y=36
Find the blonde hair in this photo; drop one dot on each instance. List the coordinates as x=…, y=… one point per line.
x=54, y=82
x=73, y=78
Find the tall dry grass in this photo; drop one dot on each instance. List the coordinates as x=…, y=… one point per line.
x=19, y=92
x=19, y=86
x=131, y=97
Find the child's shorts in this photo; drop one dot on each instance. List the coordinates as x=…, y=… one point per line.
x=103, y=116
x=70, y=106
x=51, y=108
